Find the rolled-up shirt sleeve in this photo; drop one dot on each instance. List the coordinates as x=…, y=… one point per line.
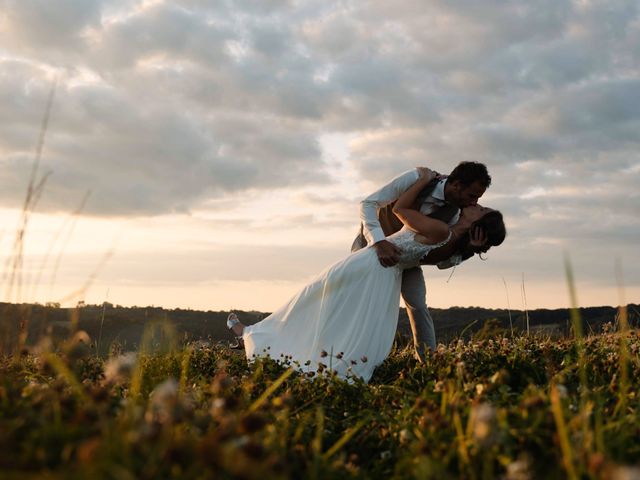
x=380, y=198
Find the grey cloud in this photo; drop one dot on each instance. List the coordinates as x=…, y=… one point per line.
x=42, y=24
x=165, y=31
x=142, y=159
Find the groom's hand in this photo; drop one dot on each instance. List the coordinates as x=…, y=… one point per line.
x=388, y=253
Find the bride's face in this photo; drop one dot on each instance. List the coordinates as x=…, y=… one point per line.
x=475, y=212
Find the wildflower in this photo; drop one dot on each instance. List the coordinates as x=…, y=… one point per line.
x=562, y=390
x=364, y=359
x=340, y=355
x=626, y=473
x=519, y=470
x=165, y=394
x=482, y=420
x=164, y=403
x=323, y=354
x=120, y=368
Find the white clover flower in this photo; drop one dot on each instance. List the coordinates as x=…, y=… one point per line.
x=562, y=390
x=120, y=368
x=519, y=470
x=483, y=418
x=163, y=401
x=626, y=473
x=165, y=394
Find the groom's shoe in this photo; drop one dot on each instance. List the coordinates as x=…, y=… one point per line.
x=421, y=354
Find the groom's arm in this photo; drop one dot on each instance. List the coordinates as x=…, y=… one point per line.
x=381, y=198
x=388, y=254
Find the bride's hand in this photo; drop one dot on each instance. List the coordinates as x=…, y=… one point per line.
x=477, y=239
x=425, y=173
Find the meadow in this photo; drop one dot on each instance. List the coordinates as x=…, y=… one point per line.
x=509, y=407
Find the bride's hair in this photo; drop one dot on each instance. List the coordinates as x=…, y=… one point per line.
x=492, y=224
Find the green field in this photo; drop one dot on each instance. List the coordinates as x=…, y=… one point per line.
x=513, y=408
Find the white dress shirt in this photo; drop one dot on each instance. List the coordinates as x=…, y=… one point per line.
x=391, y=192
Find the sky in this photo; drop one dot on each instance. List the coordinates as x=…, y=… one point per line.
x=212, y=154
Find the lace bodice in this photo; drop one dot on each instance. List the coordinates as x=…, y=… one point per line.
x=412, y=251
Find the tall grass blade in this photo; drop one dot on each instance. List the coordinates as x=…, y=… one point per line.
x=58, y=365
x=524, y=304
x=576, y=322
x=316, y=443
x=168, y=334
x=34, y=190
x=563, y=435
x=72, y=224
x=623, y=326
x=462, y=441
x=104, y=307
x=348, y=434
x=508, y=305
x=272, y=388
x=184, y=369
x=80, y=293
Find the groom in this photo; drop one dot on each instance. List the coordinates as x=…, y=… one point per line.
x=442, y=198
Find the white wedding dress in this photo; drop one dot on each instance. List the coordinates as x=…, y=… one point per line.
x=349, y=311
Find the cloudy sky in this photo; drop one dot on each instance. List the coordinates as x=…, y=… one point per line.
x=224, y=145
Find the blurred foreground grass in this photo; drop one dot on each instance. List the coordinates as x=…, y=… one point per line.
x=502, y=408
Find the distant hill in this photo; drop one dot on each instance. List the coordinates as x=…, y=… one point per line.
x=124, y=326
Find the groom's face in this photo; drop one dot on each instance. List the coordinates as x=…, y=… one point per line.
x=467, y=195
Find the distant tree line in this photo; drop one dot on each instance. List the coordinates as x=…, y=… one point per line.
x=109, y=324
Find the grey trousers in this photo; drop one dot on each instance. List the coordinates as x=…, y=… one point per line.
x=414, y=294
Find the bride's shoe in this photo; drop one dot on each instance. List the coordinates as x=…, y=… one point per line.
x=232, y=321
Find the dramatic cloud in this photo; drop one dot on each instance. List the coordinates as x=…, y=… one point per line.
x=169, y=107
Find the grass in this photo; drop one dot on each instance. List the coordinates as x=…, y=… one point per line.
x=502, y=408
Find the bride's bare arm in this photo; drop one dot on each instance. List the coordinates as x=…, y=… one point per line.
x=434, y=231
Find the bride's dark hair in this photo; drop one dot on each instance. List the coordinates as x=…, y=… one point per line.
x=494, y=229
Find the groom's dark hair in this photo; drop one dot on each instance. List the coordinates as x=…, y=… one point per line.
x=469, y=172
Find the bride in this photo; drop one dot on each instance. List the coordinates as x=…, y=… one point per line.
x=346, y=317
